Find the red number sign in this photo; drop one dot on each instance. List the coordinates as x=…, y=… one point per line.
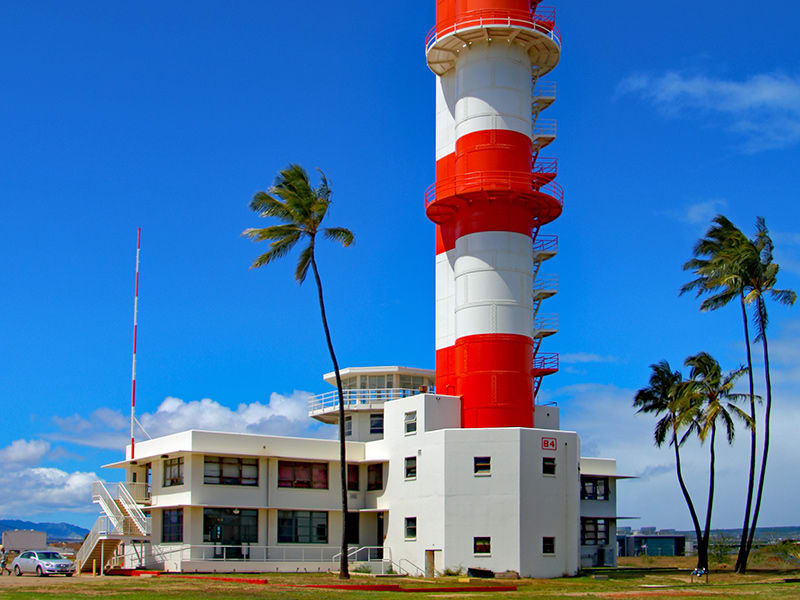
x=549, y=443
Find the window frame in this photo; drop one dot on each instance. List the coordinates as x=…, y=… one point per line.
x=239, y=462
x=478, y=541
x=410, y=525
x=298, y=483
x=549, y=545
x=597, y=534
x=478, y=468
x=355, y=485
x=547, y=463
x=348, y=426
x=591, y=482
x=167, y=466
x=297, y=526
x=373, y=428
x=410, y=468
x=410, y=422
x=175, y=527
x=373, y=486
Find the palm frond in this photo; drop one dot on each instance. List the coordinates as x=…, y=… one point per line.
x=275, y=232
x=339, y=234
x=277, y=249
x=303, y=262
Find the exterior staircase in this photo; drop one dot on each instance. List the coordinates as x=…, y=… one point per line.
x=122, y=521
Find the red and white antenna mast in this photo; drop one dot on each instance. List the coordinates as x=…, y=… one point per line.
x=135, y=315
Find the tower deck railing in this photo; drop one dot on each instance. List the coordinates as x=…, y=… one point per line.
x=358, y=398
x=489, y=17
x=493, y=180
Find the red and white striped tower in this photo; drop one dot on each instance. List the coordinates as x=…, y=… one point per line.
x=491, y=196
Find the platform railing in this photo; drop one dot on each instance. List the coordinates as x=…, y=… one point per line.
x=543, y=89
x=244, y=553
x=359, y=397
x=540, y=22
x=544, y=283
x=545, y=128
x=545, y=361
x=493, y=180
x=545, y=322
x=545, y=243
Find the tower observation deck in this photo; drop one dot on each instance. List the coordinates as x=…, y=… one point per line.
x=492, y=194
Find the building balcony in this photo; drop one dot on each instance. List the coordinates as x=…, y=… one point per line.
x=543, y=94
x=544, y=247
x=545, y=325
x=545, y=286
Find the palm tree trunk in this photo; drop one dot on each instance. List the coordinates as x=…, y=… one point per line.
x=688, y=498
x=765, y=450
x=711, y=467
x=344, y=572
x=741, y=559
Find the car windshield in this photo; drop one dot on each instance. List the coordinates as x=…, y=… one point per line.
x=49, y=556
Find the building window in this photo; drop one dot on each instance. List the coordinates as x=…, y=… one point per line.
x=375, y=477
x=302, y=527
x=548, y=545
x=411, y=528
x=376, y=423
x=230, y=470
x=482, y=545
x=594, y=532
x=594, y=488
x=548, y=465
x=483, y=466
x=348, y=426
x=411, y=422
x=172, y=525
x=302, y=475
x=173, y=472
x=411, y=467
x=230, y=526
x=352, y=478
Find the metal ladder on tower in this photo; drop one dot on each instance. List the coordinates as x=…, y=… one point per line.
x=543, y=248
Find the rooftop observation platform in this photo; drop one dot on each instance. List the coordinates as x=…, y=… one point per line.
x=368, y=388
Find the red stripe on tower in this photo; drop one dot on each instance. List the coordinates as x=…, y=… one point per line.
x=490, y=198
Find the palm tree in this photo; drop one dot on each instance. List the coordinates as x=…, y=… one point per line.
x=302, y=208
x=754, y=264
x=729, y=264
x=707, y=398
x=659, y=398
x=711, y=267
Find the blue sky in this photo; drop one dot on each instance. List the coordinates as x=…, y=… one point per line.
x=170, y=116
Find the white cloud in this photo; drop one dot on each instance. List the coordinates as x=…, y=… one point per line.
x=26, y=487
x=764, y=109
x=39, y=489
x=701, y=213
x=282, y=415
x=24, y=452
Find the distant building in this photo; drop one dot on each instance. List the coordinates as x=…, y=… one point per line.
x=641, y=544
x=18, y=540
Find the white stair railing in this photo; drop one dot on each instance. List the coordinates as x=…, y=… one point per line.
x=103, y=497
x=100, y=527
x=141, y=520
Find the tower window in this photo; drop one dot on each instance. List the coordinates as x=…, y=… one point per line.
x=548, y=545
x=376, y=423
x=483, y=466
x=411, y=467
x=411, y=528
x=410, y=422
x=548, y=465
x=482, y=545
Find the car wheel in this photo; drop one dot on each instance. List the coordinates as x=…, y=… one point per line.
x=39, y=571
x=69, y=574
x=17, y=571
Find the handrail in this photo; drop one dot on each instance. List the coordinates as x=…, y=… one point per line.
x=545, y=321
x=545, y=361
x=247, y=553
x=545, y=128
x=539, y=21
x=400, y=566
x=99, y=528
x=542, y=89
x=141, y=520
x=545, y=282
x=545, y=243
x=493, y=180
x=545, y=166
x=358, y=397
x=103, y=497
x=381, y=553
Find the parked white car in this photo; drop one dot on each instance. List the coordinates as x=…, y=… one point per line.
x=42, y=562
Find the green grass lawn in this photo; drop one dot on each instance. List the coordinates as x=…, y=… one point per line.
x=765, y=585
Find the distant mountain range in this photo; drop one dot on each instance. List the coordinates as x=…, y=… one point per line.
x=56, y=532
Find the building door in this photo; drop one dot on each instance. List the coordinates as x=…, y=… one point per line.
x=601, y=557
x=380, y=535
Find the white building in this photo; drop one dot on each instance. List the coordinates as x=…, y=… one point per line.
x=425, y=494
